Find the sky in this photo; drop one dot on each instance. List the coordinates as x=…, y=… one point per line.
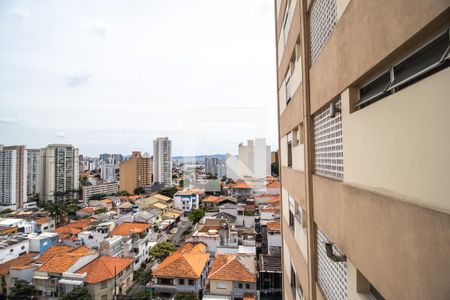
x=111, y=76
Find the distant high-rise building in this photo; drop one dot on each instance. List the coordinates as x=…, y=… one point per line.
x=59, y=172
x=162, y=161
x=212, y=165
x=135, y=172
x=111, y=158
x=253, y=160
x=33, y=172
x=108, y=172
x=13, y=176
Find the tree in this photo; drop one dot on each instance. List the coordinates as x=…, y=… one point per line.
x=58, y=212
x=210, y=176
x=71, y=209
x=78, y=293
x=139, y=191
x=22, y=290
x=85, y=181
x=97, y=197
x=123, y=193
x=161, y=250
x=142, y=276
x=186, y=296
x=196, y=215
x=168, y=191
x=6, y=211
x=100, y=210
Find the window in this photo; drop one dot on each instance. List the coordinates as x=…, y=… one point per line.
x=365, y=287
x=221, y=285
x=104, y=284
x=289, y=149
x=288, y=86
x=322, y=19
x=423, y=62
x=328, y=149
x=293, y=280
x=240, y=285
x=11, y=250
x=181, y=281
x=291, y=213
x=298, y=213
x=23, y=247
x=247, y=286
x=331, y=276
x=191, y=282
x=286, y=22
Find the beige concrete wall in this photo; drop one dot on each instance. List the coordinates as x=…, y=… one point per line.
x=294, y=182
x=364, y=37
x=400, y=145
x=215, y=290
x=352, y=283
x=292, y=253
x=401, y=248
x=292, y=115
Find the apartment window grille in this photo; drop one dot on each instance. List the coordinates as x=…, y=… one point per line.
x=331, y=276
x=322, y=19
x=289, y=149
x=329, y=156
x=423, y=62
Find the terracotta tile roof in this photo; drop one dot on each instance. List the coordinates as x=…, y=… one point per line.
x=52, y=251
x=187, y=262
x=233, y=267
x=81, y=250
x=42, y=220
x=74, y=228
x=249, y=297
x=274, y=226
x=213, y=199
x=107, y=200
x=20, y=261
x=274, y=200
x=104, y=268
x=127, y=228
x=61, y=262
x=273, y=185
x=241, y=185
x=87, y=210
x=271, y=209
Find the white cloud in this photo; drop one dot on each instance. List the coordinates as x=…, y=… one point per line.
x=60, y=134
x=97, y=27
x=79, y=78
x=21, y=13
x=7, y=121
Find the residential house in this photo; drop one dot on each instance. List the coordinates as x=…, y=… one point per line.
x=137, y=246
x=12, y=247
x=212, y=203
x=68, y=234
x=44, y=224
x=273, y=234
x=5, y=278
x=92, y=238
x=46, y=278
x=187, y=200
x=86, y=212
x=183, y=271
x=41, y=242
x=233, y=275
x=107, y=276
x=269, y=213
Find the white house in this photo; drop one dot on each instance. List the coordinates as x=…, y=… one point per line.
x=187, y=200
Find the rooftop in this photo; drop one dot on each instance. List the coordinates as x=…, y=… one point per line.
x=104, y=268
x=187, y=262
x=274, y=226
x=20, y=261
x=233, y=267
x=128, y=228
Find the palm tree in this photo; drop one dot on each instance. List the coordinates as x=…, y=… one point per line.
x=58, y=212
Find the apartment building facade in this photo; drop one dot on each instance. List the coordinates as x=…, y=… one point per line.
x=13, y=176
x=135, y=172
x=162, y=161
x=59, y=172
x=363, y=126
x=33, y=174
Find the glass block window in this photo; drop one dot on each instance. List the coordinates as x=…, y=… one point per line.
x=328, y=155
x=331, y=276
x=322, y=20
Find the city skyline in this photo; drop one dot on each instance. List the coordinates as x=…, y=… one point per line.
x=78, y=74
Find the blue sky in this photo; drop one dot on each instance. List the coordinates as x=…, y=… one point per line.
x=110, y=76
